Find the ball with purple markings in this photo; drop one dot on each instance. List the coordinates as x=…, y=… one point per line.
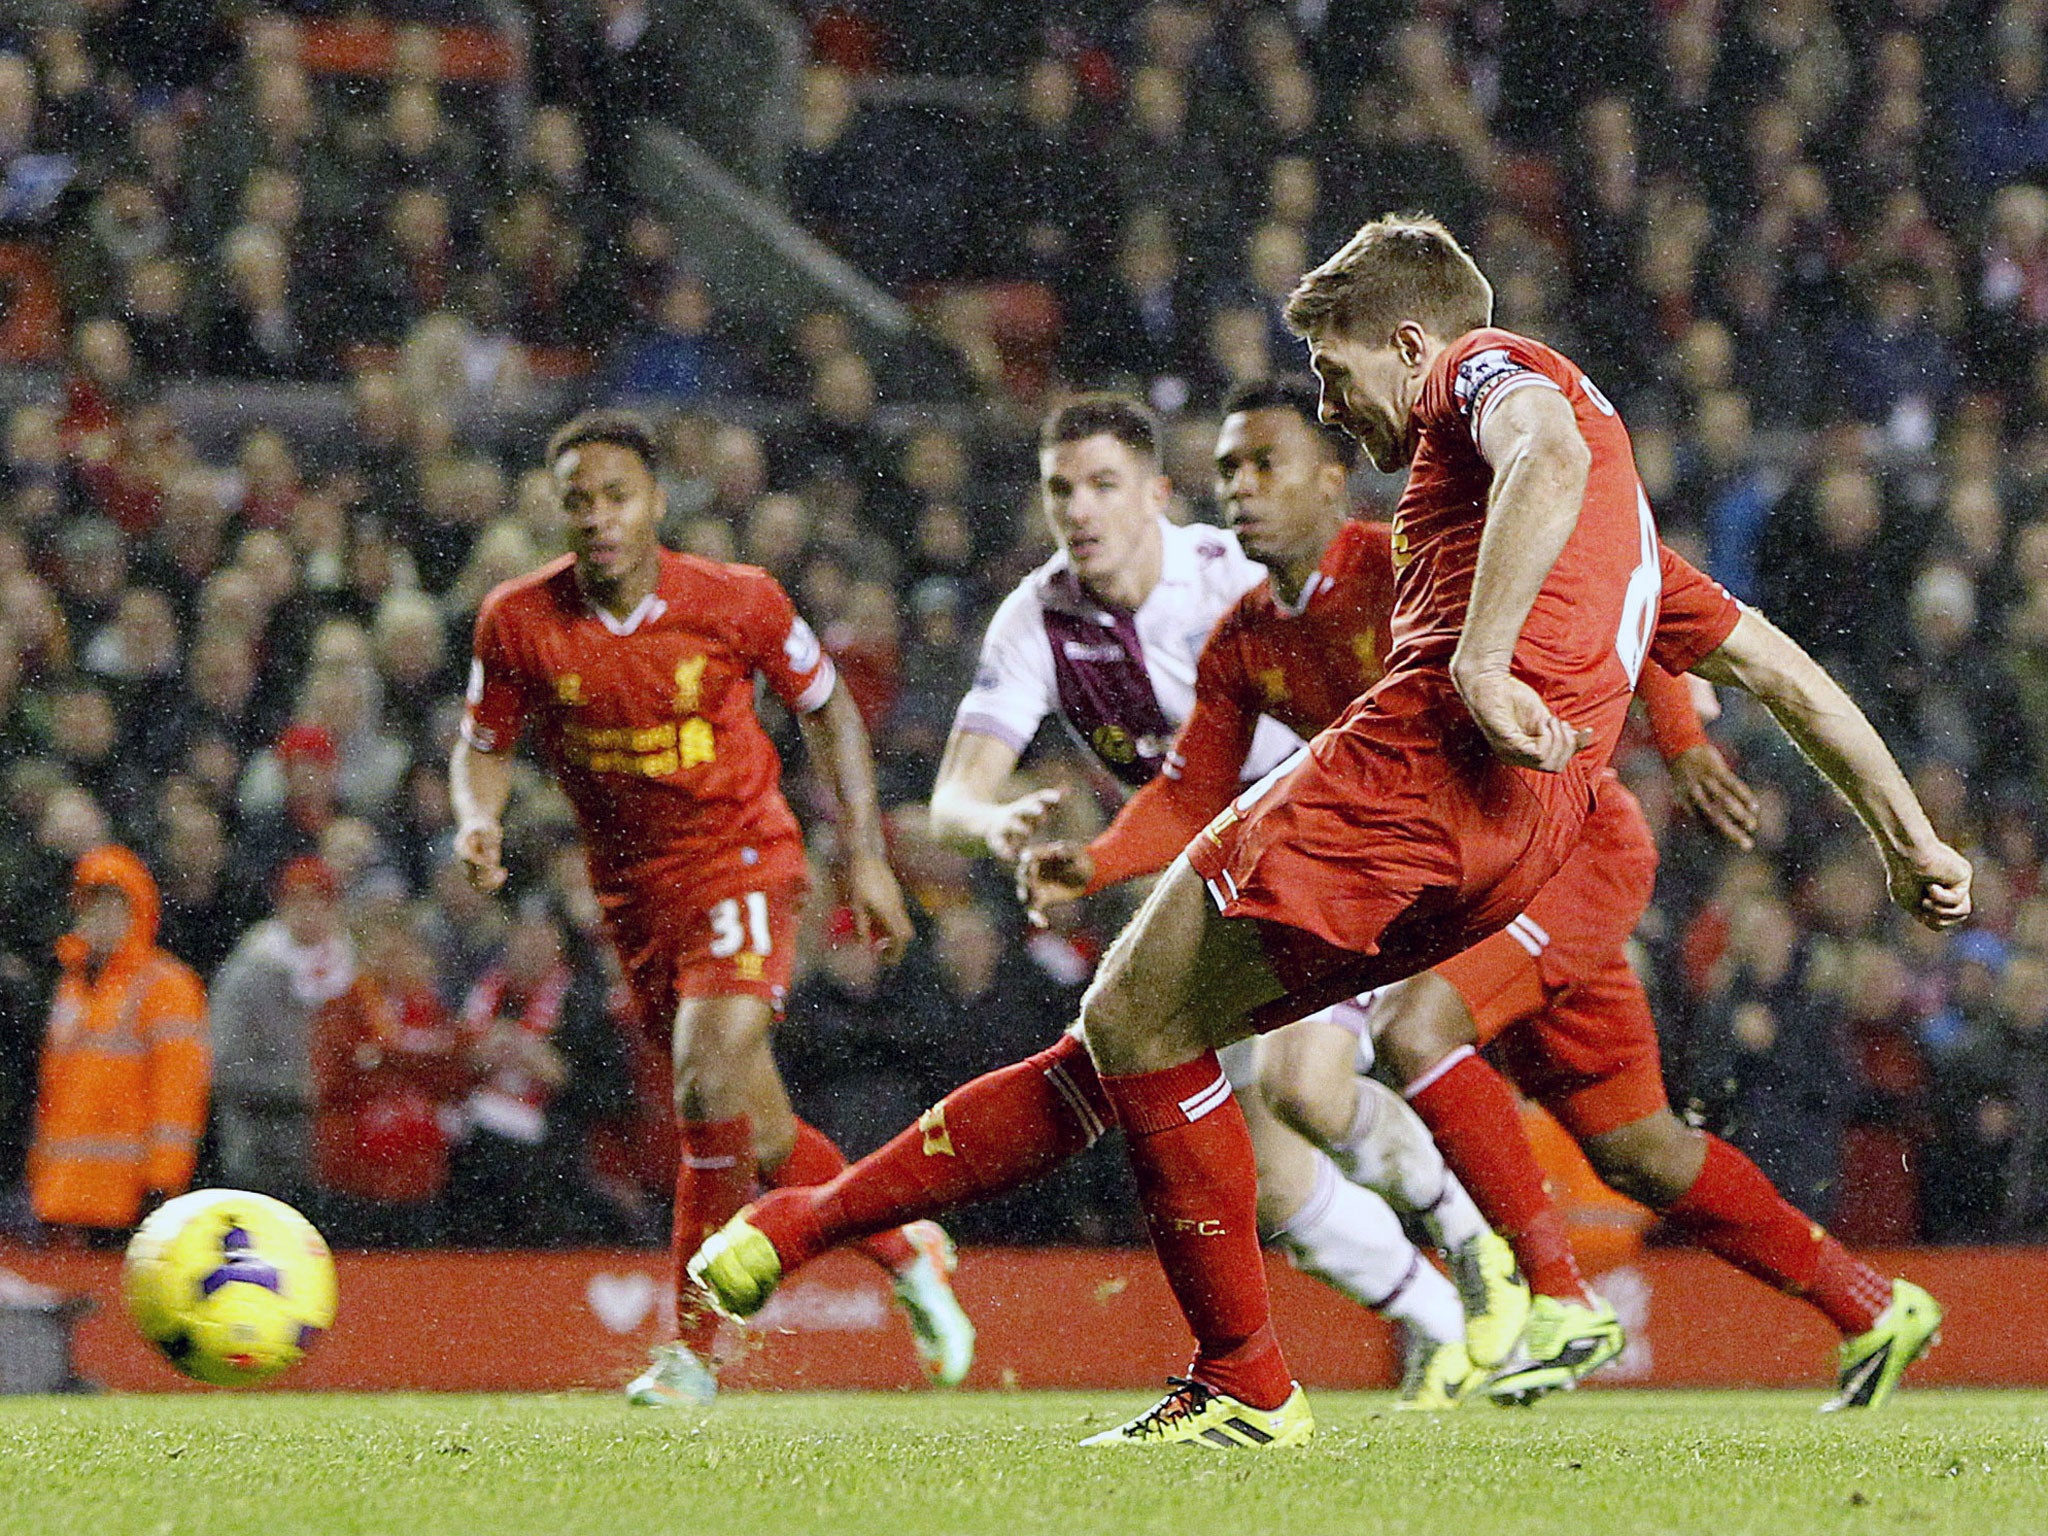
x=231, y=1287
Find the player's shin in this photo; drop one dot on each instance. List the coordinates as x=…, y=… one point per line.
x=714, y=1176
x=998, y=1132
x=1734, y=1212
x=1389, y=1150
x=1192, y=1160
x=815, y=1159
x=1471, y=1112
x=1348, y=1238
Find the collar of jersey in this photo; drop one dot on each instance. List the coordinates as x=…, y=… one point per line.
x=1063, y=591
x=648, y=609
x=1317, y=580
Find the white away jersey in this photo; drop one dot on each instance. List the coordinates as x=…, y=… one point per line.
x=1123, y=682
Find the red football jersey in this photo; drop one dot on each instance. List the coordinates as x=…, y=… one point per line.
x=1305, y=665
x=1583, y=645
x=649, y=721
x=1302, y=665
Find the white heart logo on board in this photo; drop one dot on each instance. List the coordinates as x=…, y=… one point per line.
x=621, y=1302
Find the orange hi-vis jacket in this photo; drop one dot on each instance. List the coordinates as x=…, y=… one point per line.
x=125, y=1067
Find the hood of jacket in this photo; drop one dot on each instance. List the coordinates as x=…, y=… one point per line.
x=116, y=866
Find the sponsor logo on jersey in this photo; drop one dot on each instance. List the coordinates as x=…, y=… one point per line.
x=1366, y=648
x=1081, y=650
x=689, y=685
x=643, y=752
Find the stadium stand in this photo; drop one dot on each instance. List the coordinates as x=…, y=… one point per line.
x=288, y=296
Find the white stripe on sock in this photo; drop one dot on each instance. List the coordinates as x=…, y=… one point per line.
x=1196, y=1105
x=1423, y=1083
x=1091, y=1123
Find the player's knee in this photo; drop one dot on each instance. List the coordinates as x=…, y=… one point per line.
x=1411, y=1043
x=1123, y=1033
x=1418, y=1023
x=1293, y=1100
x=1653, y=1160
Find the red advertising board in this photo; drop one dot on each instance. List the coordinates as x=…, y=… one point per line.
x=1047, y=1318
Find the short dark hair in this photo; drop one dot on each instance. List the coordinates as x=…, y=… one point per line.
x=1129, y=420
x=1302, y=395
x=622, y=429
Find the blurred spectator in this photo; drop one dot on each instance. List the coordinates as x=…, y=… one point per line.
x=1771, y=1070
x=269, y=839
x=200, y=918
x=511, y=1177
x=386, y=1068
x=280, y=972
x=122, y=1092
x=677, y=355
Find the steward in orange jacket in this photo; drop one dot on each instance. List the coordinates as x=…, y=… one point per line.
x=125, y=1064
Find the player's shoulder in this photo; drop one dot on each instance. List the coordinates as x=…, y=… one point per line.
x=1256, y=606
x=1479, y=360
x=546, y=592
x=1209, y=560
x=1209, y=548
x=1023, y=606
x=699, y=575
x=1364, y=548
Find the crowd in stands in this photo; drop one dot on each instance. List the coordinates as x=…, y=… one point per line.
x=1802, y=245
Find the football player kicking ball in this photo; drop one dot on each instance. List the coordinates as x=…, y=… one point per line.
x=1105, y=635
x=636, y=665
x=1300, y=647
x=1530, y=590
x=1554, y=987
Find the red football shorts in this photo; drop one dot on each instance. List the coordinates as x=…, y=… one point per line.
x=679, y=944
x=1398, y=841
x=1553, y=993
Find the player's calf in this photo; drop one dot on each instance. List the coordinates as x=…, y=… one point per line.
x=1654, y=1160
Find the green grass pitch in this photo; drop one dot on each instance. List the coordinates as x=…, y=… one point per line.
x=1598, y=1464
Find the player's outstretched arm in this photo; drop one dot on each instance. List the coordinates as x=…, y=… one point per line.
x=479, y=785
x=1702, y=778
x=1540, y=464
x=967, y=808
x=838, y=744
x=1928, y=878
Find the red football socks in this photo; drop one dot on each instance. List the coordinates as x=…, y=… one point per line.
x=1192, y=1158
x=714, y=1177
x=816, y=1159
x=1734, y=1212
x=1002, y=1130
x=1471, y=1112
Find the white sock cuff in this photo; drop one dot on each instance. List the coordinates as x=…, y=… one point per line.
x=1365, y=1117
x=1428, y=1079
x=1317, y=1206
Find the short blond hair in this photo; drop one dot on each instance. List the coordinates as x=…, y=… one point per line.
x=1399, y=267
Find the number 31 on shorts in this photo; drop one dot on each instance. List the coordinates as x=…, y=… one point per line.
x=741, y=922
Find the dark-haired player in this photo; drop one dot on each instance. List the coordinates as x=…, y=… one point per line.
x=1105, y=636
x=1555, y=987
x=636, y=666
x=1530, y=590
